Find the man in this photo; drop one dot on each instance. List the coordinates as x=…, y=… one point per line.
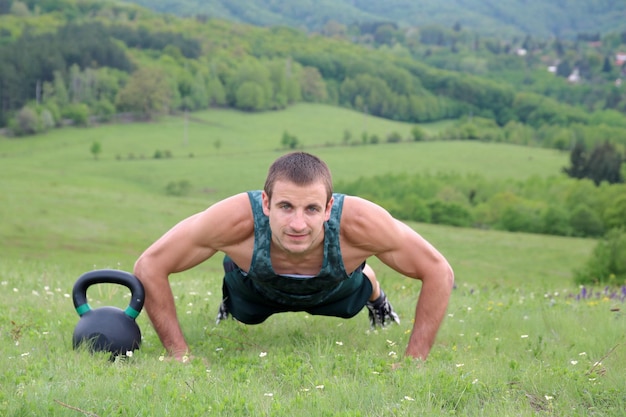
x=296, y=246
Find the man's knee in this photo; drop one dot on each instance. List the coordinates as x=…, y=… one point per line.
x=369, y=273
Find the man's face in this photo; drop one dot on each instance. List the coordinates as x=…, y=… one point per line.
x=297, y=215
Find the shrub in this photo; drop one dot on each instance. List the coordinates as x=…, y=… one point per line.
x=394, y=137
x=607, y=264
x=178, y=188
x=76, y=112
x=418, y=134
x=452, y=214
x=585, y=221
x=556, y=221
x=26, y=122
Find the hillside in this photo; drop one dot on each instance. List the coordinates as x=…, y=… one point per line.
x=99, y=62
x=543, y=19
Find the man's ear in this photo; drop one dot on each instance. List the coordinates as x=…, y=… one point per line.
x=266, y=203
x=329, y=208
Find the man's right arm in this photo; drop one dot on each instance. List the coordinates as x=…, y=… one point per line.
x=187, y=244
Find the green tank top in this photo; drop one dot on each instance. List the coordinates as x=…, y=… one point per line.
x=300, y=290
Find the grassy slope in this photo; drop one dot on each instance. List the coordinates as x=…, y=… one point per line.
x=64, y=213
x=61, y=200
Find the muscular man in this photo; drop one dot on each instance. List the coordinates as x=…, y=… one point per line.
x=297, y=246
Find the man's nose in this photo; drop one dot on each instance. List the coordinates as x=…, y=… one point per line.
x=297, y=221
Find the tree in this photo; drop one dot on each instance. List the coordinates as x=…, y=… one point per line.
x=606, y=66
x=96, y=149
x=313, y=85
x=289, y=141
x=417, y=133
x=5, y=6
x=147, y=93
x=578, y=161
x=607, y=263
x=26, y=122
x=602, y=164
x=250, y=96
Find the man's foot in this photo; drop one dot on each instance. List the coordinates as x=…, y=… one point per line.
x=381, y=312
x=222, y=313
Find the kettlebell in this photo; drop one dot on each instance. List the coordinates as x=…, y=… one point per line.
x=108, y=329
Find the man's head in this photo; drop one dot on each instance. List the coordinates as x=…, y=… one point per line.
x=300, y=168
x=297, y=198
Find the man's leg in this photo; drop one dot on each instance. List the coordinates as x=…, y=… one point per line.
x=371, y=275
x=380, y=310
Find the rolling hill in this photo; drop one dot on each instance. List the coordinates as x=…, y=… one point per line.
x=543, y=19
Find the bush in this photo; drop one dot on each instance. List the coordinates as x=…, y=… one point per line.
x=586, y=222
x=105, y=110
x=26, y=122
x=452, y=214
x=394, y=137
x=607, y=264
x=418, y=134
x=556, y=221
x=178, y=188
x=76, y=112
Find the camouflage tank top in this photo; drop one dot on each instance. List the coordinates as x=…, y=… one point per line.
x=300, y=290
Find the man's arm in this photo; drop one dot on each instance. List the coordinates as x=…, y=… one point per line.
x=404, y=250
x=417, y=258
x=187, y=244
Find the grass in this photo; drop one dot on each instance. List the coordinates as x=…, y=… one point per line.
x=516, y=342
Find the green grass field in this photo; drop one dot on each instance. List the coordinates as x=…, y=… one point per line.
x=516, y=342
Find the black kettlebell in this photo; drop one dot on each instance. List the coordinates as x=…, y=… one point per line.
x=108, y=329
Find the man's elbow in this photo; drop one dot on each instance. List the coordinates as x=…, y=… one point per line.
x=142, y=270
x=446, y=277
x=449, y=275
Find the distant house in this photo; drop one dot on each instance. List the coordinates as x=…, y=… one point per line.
x=620, y=58
x=574, y=77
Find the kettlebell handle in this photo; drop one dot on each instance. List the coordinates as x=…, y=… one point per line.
x=108, y=276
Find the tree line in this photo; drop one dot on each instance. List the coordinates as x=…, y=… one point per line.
x=100, y=59
x=557, y=205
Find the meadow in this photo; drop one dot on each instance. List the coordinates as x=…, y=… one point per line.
x=519, y=338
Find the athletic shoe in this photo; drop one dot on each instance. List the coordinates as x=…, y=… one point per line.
x=381, y=312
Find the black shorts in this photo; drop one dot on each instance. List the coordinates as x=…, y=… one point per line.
x=246, y=304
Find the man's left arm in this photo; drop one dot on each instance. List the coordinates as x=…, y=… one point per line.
x=413, y=256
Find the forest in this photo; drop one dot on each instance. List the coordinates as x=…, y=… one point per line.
x=85, y=62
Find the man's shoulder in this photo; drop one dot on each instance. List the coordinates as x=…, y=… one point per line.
x=231, y=210
x=364, y=216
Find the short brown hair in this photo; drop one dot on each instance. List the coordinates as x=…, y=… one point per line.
x=300, y=168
